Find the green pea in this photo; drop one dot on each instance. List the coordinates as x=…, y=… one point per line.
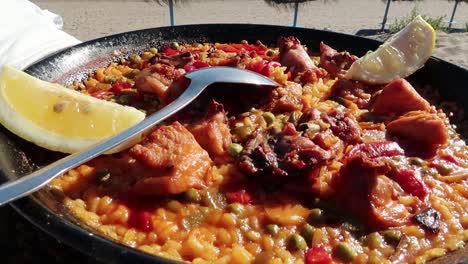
x=175, y=45
x=277, y=127
x=174, y=206
x=193, y=195
x=269, y=117
x=204, y=209
x=134, y=58
x=316, y=216
x=235, y=208
x=153, y=50
x=272, y=229
x=132, y=74
x=392, y=236
x=296, y=242
x=282, y=118
x=243, y=132
x=110, y=78
x=125, y=99
x=352, y=227
x=307, y=232
x=374, y=240
x=416, y=161
x=345, y=252
x=102, y=175
x=192, y=220
x=147, y=55
x=244, y=41
x=235, y=149
x=252, y=235
x=294, y=117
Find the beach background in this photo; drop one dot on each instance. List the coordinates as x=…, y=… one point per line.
x=91, y=19
x=23, y=243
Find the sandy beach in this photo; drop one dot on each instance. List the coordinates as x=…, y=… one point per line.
x=90, y=19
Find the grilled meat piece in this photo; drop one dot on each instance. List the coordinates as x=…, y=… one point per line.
x=363, y=191
x=212, y=132
x=336, y=63
x=419, y=129
x=294, y=56
x=399, y=97
x=157, y=79
x=352, y=91
x=176, y=160
x=178, y=61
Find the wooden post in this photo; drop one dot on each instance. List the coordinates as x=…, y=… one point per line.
x=453, y=14
x=171, y=12
x=296, y=7
x=384, y=21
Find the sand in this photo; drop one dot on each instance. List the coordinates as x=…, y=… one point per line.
x=90, y=19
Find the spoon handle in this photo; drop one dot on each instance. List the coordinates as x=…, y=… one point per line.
x=23, y=186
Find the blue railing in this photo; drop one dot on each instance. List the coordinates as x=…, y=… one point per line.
x=296, y=11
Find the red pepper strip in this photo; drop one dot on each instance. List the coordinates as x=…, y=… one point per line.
x=263, y=67
x=409, y=182
x=140, y=220
x=200, y=64
x=267, y=70
x=195, y=65
x=317, y=255
x=119, y=86
x=189, y=68
x=289, y=129
x=258, y=66
x=450, y=158
x=376, y=149
x=240, y=196
x=227, y=48
x=169, y=51
x=260, y=50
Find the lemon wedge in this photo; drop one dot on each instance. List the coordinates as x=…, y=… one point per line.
x=400, y=56
x=58, y=118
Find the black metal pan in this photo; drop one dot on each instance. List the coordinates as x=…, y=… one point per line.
x=18, y=157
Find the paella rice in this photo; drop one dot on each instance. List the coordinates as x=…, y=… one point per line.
x=318, y=170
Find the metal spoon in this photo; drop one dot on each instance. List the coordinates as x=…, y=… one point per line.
x=199, y=80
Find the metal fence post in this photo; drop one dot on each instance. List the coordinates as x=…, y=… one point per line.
x=296, y=7
x=453, y=14
x=384, y=21
x=171, y=12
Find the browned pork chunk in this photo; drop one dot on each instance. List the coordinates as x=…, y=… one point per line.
x=177, y=61
x=399, y=97
x=353, y=91
x=175, y=159
x=157, y=79
x=212, y=132
x=287, y=98
x=294, y=56
x=419, y=128
x=336, y=63
x=363, y=191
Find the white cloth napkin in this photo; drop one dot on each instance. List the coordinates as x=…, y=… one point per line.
x=28, y=33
